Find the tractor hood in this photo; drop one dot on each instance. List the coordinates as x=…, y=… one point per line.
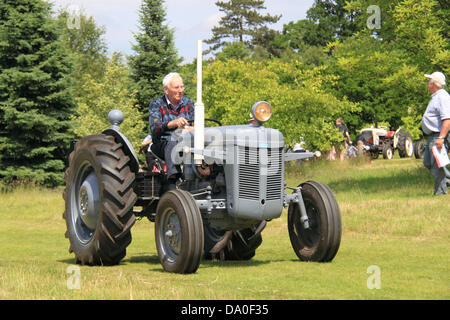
x=240, y=135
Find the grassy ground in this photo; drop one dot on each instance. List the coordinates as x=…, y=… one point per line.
x=390, y=220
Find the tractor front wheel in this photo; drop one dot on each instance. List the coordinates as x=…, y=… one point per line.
x=179, y=232
x=320, y=242
x=418, y=149
x=388, y=152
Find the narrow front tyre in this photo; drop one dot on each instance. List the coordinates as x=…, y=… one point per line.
x=320, y=242
x=179, y=232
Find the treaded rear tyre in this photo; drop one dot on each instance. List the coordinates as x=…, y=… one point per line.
x=321, y=242
x=99, y=199
x=242, y=244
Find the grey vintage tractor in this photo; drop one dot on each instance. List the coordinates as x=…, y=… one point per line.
x=233, y=183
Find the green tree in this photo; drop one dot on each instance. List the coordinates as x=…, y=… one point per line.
x=377, y=76
x=242, y=22
x=101, y=96
x=35, y=103
x=155, y=53
x=326, y=21
x=421, y=33
x=301, y=107
x=86, y=44
x=363, y=11
x=234, y=50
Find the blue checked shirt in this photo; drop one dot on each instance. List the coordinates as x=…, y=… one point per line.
x=162, y=112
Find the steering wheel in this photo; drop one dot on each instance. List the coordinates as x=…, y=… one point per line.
x=191, y=122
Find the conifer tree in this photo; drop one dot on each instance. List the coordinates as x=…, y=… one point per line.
x=35, y=104
x=155, y=53
x=242, y=22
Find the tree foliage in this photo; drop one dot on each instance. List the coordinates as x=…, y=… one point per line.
x=421, y=33
x=86, y=45
x=155, y=53
x=35, y=100
x=383, y=69
x=376, y=75
x=295, y=92
x=242, y=22
x=328, y=20
x=101, y=96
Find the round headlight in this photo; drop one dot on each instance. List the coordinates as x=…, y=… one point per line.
x=261, y=111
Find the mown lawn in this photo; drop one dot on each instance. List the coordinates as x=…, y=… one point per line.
x=390, y=221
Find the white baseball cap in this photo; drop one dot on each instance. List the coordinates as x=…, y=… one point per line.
x=437, y=77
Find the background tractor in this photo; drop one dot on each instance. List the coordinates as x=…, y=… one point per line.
x=233, y=183
x=376, y=141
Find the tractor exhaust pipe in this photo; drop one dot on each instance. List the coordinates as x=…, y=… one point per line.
x=199, y=114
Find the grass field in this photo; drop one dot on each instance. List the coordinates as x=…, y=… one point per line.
x=390, y=221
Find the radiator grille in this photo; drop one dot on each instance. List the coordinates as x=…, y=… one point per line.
x=248, y=161
x=274, y=174
x=251, y=173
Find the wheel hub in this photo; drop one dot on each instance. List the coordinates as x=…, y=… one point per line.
x=172, y=234
x=89, y=201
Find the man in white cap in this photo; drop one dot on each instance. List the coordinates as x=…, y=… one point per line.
x=436, y=125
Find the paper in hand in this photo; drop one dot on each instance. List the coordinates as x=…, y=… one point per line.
x=441, y=156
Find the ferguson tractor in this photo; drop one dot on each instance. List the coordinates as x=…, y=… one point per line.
x=376, y=141
x=233, y=183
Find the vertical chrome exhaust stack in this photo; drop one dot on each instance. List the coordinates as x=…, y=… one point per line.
x=199, y=115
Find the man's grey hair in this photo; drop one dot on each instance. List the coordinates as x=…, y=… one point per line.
x=168, y=78
x=437, y=83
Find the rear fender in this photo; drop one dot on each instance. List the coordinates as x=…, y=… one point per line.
x=127, y=147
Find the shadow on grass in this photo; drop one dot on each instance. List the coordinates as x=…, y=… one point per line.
x=205, y=264
x=155, y=265
x=152, y=259
x=68, y=261
x=232, y=263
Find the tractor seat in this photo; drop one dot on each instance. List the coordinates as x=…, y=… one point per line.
x=154, y=163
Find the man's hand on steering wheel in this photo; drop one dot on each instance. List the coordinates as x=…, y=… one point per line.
x=177, y=123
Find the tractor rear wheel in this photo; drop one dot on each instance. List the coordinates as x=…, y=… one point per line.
x=99, y=200
x=179, y=232
x=243, y=244
x=321, y=241
x=231, y=245
x=405, y=144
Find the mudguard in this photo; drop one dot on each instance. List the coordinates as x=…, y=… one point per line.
x=127, y=147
